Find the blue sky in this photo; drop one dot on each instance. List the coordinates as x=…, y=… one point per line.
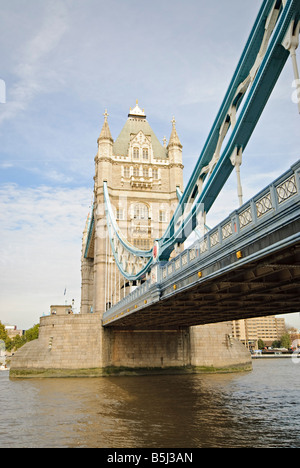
x=64, y=62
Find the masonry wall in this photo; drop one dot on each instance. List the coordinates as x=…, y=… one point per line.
x=65, y=342
x=155, y=349
x=78, y=342
x=212, y=345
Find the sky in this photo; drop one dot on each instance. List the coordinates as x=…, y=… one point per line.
x=63, y=62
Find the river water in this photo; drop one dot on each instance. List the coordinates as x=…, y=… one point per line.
x=254, y=409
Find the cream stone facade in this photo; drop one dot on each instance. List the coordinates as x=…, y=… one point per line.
x=142, y=176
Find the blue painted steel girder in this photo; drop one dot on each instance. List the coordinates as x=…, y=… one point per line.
x=242, y=71
x=266, y=77
x=265, y=80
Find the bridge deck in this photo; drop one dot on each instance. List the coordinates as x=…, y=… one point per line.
x=263, y=287
x=248, y=266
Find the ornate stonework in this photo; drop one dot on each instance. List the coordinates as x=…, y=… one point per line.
x=142, y=176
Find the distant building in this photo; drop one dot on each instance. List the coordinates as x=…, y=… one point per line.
x=267, y=329
x=12, y=331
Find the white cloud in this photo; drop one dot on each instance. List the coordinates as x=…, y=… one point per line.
x=40, y=249
x=32, y=75
x=6, y=165
x=52, y=175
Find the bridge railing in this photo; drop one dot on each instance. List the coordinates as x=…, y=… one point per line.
x=270, y=200
x=243, y=221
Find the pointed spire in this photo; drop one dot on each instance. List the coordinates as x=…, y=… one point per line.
x=105, y=132
x=174, y=138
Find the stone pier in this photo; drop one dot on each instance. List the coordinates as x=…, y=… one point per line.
x=78, y=345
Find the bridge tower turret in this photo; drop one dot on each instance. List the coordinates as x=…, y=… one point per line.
x=103, y=172
x=174, y=149
x=103, y=159
x=142, y=176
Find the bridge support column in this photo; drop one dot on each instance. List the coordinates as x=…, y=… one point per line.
x=77, y=345
x=197, y=349
x=141, y=350
x=236, y=160
x=87, y=285
x=212, y=346
x=290, y=43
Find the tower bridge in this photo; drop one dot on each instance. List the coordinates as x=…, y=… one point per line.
x=247, y=266
x=201, y=289
x=147, y=299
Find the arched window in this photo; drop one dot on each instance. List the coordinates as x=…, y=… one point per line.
x=120, y=214
x=162, y=216
x=155, y=173
x=141, y=211
x=136, y=153
x=127, y=171
x=145, y=154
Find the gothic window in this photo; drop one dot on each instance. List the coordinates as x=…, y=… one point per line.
x=126, y=171
x=120, y=214
x=136, y=171
x=145, y=154
x=145, y=172
x=162, y=216
x=143, y=244
x=136, y=153
x=155, y=173
x=141, y=211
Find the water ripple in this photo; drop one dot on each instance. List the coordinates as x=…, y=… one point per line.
x=256, y=409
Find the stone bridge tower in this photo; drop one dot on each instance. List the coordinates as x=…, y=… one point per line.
x=142, y=176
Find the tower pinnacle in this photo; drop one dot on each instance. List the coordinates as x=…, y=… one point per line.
x=174, y=138
x=105, y=115
x=105, y=132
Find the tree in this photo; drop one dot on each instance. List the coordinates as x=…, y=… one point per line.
x=285, y=341
x=32, y=333
x=4, y=337
x=18, y=341
x=261, y=344
x=3, y=333
x=276, y=344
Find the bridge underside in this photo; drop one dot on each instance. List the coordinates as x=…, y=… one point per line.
x=266, y=286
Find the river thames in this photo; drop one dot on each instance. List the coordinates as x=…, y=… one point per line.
x=254, y=409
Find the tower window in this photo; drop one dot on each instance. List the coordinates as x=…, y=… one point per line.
x=162, y=216
x=143, y=244
x=136, y=153
x=141, y=211
x=120, y=214
x=126, y=171
x=155, y=173
x=145, y=172
x=145, y=154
